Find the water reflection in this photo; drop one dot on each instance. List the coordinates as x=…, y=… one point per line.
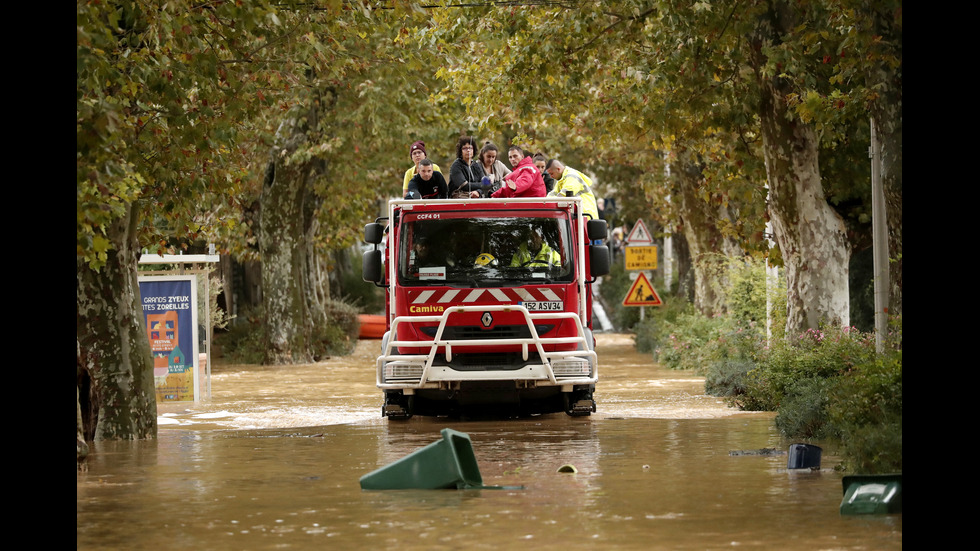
x=279, y=469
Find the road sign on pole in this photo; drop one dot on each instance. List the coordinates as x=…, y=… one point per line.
x=639, y=235
x=641, y=257
x=642, y=293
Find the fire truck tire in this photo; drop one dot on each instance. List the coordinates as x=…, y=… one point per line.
x=579, y=403
x=398, y=407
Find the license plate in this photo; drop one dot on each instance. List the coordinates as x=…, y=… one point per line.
x=550, y=306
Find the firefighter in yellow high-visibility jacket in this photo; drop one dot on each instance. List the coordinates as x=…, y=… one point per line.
x=535, y=252
x=567, y=179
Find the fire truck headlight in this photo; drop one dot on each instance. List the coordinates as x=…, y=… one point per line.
x=402, y=371
x=571, y=367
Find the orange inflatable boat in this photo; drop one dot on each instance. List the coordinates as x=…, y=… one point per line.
x=372, y=327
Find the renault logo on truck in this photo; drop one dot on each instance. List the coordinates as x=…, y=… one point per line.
x=487, y=319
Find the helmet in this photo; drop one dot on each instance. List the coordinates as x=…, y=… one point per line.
x=485, y=259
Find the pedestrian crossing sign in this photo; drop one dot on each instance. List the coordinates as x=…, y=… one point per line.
x=642, y=293
x=639, y=235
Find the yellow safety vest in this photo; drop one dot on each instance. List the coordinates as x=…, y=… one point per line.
x=581, y=186
x=545, y=257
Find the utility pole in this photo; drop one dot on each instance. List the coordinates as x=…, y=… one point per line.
x=880, y=241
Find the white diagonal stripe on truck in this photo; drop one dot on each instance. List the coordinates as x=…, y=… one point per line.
x=449, y=295
x=524, y=294
x=549, y=294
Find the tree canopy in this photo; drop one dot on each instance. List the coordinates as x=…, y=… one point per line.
x=714, y=117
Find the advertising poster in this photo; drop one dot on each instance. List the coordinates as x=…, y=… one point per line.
x=170, y=312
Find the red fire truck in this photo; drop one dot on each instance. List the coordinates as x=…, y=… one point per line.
x=489, y=306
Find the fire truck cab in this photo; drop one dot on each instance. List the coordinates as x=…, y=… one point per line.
x=489, y=305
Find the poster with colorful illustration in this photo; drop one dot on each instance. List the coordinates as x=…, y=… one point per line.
x=170, y=312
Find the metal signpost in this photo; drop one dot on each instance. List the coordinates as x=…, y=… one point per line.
x=641, y=255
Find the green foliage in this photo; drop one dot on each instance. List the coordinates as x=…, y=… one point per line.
x=338, y=336
x=244, y=341
x=822, y=384
x=164, y=106
x=832, y=384
x=865, y=411
x=653, y=331
x=365, y=296
x=803, y=411
x=613, y=288
x=816, y=353
x=746, y=294
x=721, y=347
x=691, y=341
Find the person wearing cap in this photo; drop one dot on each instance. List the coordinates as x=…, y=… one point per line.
x=427, y=184
x=416, y=152
x=524, y=181
x=570, y=181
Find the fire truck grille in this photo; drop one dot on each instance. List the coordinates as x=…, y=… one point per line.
x=492, y=361
x=469, y=332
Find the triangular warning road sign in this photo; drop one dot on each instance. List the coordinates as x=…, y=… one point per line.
x=639, y=235
x=642, y=293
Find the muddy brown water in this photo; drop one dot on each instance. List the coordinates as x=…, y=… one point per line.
x=273, y=461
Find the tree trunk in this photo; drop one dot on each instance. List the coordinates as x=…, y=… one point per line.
x=891, y=178
x=685, y=271
x=709, y=249
x=292, y=286
x=114, y=371
x=886, y=109
x=810, y=234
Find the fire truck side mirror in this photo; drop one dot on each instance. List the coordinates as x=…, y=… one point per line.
x=598, y=260
x=596, y=229
x=371, y=268
x=373, y=233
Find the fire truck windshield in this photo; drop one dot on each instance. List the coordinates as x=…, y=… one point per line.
x=460, y=249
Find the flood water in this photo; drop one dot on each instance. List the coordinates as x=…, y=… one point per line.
x=273, y=461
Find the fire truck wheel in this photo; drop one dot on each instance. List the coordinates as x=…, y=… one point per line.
x=398, y=406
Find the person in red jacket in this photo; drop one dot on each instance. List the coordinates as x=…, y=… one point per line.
x=525, y=180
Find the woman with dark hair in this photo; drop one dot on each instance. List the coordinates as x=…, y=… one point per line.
x=541, y=161
x=490, y=170
x=462, y=180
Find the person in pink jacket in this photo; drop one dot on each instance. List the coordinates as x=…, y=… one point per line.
x=525, y=180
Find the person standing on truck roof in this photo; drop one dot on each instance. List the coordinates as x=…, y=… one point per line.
x=489, y=169
x=427, y=184
x=567, y=179
x=462, y=179
x=416, y=152
x=540, y=161
x=524, y=181
x=534, y=252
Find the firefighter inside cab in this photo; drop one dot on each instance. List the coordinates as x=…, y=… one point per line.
x=534, y=252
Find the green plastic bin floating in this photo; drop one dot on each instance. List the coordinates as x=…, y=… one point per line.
x=447, y=463
x=872, y=494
